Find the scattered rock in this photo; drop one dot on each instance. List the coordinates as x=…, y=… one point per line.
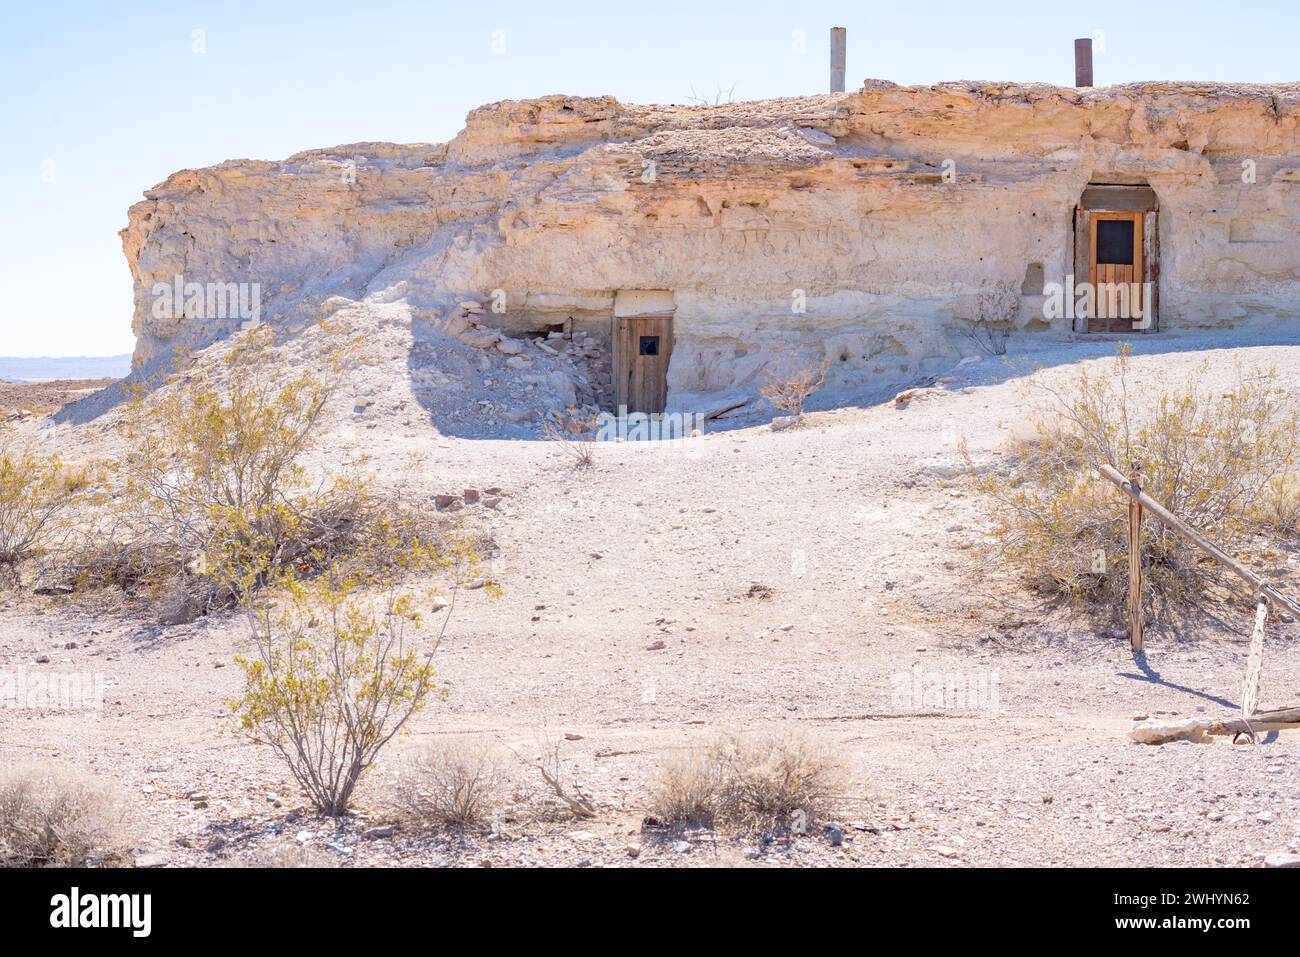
x=1282, y=859
x=835, y=833
x=480, y=338
x=47, y=590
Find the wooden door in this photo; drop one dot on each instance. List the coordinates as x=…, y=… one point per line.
x=642, y=347
x=1115, y=270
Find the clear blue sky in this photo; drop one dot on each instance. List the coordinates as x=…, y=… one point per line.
x=113, y=94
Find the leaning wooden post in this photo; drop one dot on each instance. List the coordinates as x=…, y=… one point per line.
x=1135, y=561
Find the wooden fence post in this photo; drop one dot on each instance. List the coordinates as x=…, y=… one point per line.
x=1254, y=661
x=1135, y=561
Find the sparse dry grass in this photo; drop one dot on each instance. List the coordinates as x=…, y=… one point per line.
x=52, y=817
x=576, y=435
x=451, y=788
x=686, y=790
x=754, y=783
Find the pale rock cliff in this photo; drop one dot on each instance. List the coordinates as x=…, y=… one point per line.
x=541, y=212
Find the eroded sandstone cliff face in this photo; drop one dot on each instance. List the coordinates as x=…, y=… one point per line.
x=858, y=227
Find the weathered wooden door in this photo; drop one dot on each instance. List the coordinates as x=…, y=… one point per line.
x=1116, y=270
x=642, y=348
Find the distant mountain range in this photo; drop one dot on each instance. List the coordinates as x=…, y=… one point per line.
x=45, y=368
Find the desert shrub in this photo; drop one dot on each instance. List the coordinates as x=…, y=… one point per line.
x=339, y=667
x=38, y=494
x=685, y=792
x=995, y=313
x=758, y=783
x=576, y=434
x=452, y=788
x=789, y=388
x=1277, y=508
x=775, y=782
x=1209, y=456
x=215, y=498
x=56, y=818
x=214, y=466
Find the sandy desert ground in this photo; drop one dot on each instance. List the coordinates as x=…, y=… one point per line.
x=750, y=580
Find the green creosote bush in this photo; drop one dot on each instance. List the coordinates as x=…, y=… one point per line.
x=1213, y=457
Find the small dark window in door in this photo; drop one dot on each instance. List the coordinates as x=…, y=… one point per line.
x=649, y=345
x=1115, y=242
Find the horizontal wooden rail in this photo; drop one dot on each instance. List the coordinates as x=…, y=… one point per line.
x=1259, y=585
x=1196, y=729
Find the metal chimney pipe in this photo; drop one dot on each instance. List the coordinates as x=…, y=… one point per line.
x=1083, y=62
x=839, y=44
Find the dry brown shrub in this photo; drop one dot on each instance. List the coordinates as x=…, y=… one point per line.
x=754, y=783
x=52, y=817
x=450, y=787
x=995, y=313
x=685, y=792
x=788, y=389
x=576, y=434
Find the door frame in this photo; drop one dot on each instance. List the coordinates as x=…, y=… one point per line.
x=1103, y=201
x=626, y=360
x=1103, y=273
